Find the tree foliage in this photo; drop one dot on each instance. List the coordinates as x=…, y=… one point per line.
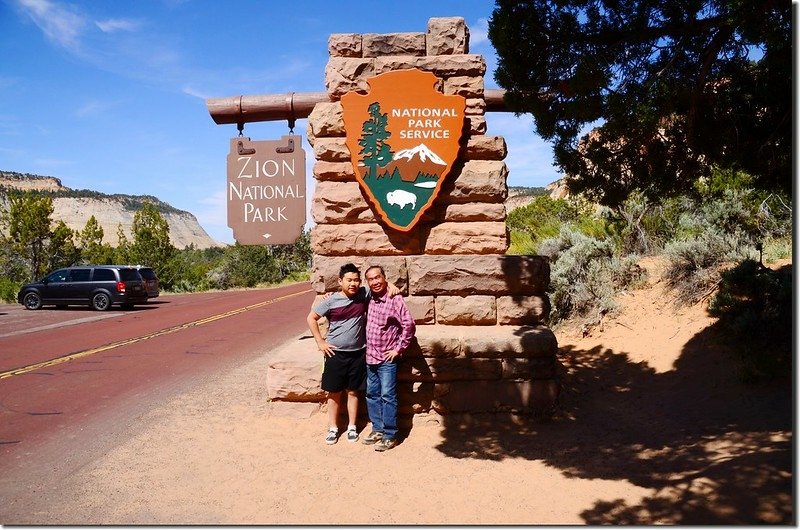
x=90, y=239
x=61, y=248
x=677, y=86
x=151, y=245
x=27, y=221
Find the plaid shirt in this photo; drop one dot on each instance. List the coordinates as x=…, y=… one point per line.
x=389, y=326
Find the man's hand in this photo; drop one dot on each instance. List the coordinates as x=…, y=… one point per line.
x=392, y=289
x=325, y=348
x=391, y=355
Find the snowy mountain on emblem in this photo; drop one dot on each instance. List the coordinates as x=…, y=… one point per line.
x=422, y=152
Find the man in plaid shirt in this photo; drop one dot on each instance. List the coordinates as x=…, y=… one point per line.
x=390, y=329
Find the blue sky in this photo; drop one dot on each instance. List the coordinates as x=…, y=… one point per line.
x=110, y=96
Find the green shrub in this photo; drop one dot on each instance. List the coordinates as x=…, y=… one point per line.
x=709, y=236
x=586, y=274
x=521, y=244
x=777, y=248
x=754, y=305
x=544, y=218
x=9, y=290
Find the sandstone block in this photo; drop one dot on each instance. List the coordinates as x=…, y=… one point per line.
x=338, y=171
x=414, y=397
x=294, y=372
x=331, y=150
x=509, y=341
x=477, y=124
x=461, y=85
x=325, y=270
x=344, y=45
x=467, y=238
x=494, y=396
x=447, y=36
x=475, y=106
x=340, y=202
x=443, y=67
x=421, y=309
x=530, y=367
x=478, y=181
x=435, y=341
x=522, y=309
x=377, y=45
x=468, y=211
x=474, y=310
x=462, y=275
x=346, y=74
x=482, y=147
x=325, y=120
x=435, y=369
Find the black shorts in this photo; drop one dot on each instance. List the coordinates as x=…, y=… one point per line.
x=347, y=370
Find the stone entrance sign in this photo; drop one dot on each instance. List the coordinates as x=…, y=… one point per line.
x=266, y=190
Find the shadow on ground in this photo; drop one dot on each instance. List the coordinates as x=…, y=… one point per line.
x=713, y=449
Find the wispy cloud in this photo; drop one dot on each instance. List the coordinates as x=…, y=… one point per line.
x=93, y=108
x=191, y=91
x=118, y=24
x=59, y=22
x=479, y=32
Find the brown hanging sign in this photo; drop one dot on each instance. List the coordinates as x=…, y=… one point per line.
x=403, y=138
x=266, y=190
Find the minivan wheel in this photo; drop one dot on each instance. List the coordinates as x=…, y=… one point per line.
x=32, y=301
x=101, y=301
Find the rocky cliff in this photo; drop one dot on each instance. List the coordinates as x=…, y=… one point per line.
x=75, y=207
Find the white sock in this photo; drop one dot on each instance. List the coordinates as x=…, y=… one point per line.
x=351, y=427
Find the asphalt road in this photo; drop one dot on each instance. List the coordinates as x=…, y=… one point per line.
x=71, y=378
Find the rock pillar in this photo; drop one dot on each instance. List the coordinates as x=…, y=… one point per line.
x=481, y=343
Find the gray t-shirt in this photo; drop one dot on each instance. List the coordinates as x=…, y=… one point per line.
x=347, y=319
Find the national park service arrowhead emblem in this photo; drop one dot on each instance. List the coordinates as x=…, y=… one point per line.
x=403, y=138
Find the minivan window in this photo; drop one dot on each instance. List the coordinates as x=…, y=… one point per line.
x=103, y=275
x=58, y=276
x=80, y=275
x=129, y=275
x=147, y=274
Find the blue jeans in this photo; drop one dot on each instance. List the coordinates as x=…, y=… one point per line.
x=382, y=398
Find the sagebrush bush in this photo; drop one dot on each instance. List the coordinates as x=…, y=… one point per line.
x=709, y=236
x=585, y=274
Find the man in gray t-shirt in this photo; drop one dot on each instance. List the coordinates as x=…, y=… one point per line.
x=345, y=348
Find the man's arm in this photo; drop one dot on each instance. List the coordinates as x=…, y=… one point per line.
x=392, y=289
x=313, y=325
x=408, y=325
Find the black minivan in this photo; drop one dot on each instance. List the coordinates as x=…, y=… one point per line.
x=99, y=286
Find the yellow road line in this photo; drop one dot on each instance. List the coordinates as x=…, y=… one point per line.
x=167, y=331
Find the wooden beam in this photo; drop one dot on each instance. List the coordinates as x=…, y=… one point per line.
x=294, y=106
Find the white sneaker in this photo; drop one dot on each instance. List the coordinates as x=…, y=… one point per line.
x=332, y=437
x=352, y=435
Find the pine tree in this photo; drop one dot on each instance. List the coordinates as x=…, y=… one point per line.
x=376, y=152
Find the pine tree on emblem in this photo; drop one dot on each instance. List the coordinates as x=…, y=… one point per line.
x=374, y=149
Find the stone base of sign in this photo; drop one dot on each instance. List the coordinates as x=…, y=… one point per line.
x=447, y=369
